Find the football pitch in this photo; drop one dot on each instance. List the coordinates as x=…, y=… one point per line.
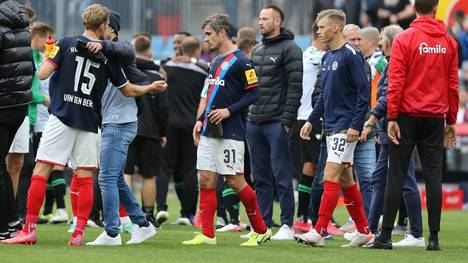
x=166, y=246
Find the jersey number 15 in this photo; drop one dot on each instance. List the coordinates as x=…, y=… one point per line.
x=86, y=88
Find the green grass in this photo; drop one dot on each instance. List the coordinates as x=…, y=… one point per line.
x=166, y=247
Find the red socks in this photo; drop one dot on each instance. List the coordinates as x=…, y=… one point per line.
x=331, y=192
x=84, y=204
x=74, y=193
x=249, y=199
x=36, y=195
x=353, y=202
x=208, y=205
x=122, y=212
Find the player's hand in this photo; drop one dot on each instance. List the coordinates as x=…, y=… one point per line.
x=158, y=86
x=383, y=13
x=352, y=135
x=394, y=132
x=163, y=141
x=94, y=47
x=393, y=19
x=218, y=115
x=46, y=101
x=305, y=131
x=196, y=132
x=449, y=136
x=364, y=133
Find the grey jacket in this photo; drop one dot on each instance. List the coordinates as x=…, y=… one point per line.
x=278, y=63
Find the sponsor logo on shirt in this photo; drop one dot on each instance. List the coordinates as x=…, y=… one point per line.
x=273, y=59
x=216, y=81
x=424, y=48
x=54, y=51
x=251, y=76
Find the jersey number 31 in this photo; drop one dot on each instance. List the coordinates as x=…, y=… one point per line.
x=86, y=88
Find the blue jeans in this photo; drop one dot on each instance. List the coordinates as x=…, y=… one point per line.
x=317, y=185
x=115, y=139
x=271, y=164
x=364, y=164
x=410, y=194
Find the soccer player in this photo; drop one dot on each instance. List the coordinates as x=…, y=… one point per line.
x=233, y=87
x=70, y=134
x=343, y=104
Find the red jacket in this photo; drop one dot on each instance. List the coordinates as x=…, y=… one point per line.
x=423, y=72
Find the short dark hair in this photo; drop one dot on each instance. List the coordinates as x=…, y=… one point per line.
x=315, y=31
x=187, y=34
x=42, y=29
x=277, y=9
x=425, y=6
x=142, y=44
x=218, y=22
x=145, y=34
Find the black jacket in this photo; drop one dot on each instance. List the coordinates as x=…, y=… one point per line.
x=278, y=63
x=152, y=121
x=16, y=60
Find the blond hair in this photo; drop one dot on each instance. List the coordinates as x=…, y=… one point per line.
x=337, y=16
x=94, y=16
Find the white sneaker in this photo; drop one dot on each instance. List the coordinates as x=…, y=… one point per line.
x=369, y=243
x=141, y=234
x=284, y=233
x=183, y=221
x=312, y=238
x=350, y=235
x=349, y=225
x=61, y=216
x=247, y=236
x=410, y=241
x=359, y=240
x=220, y=222
x=229, y=228
x=162, y=216
x=105, y=240
x=91, y=223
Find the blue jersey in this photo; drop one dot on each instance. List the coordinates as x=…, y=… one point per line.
x=77, y=85
x=344, y=100
x=231, y=76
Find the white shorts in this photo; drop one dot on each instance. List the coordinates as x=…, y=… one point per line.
x=20, y=143
x=61, y=144
x=339, y=151
x=222, y=156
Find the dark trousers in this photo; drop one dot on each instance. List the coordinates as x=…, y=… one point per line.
x=271, y=164
x=179, y=160
x=10, y=121
x=427, y=134
x=410, y=193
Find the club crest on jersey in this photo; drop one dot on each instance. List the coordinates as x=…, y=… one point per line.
x=54, y=51
x=225, y=65
x=334, y=65
x=251, y=76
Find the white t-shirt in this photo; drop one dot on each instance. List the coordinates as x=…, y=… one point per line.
x=311, y=59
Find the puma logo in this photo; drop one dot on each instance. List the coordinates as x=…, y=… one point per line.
x=273, y=59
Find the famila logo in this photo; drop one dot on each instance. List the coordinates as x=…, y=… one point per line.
x=424, y=48
x=216, y=81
